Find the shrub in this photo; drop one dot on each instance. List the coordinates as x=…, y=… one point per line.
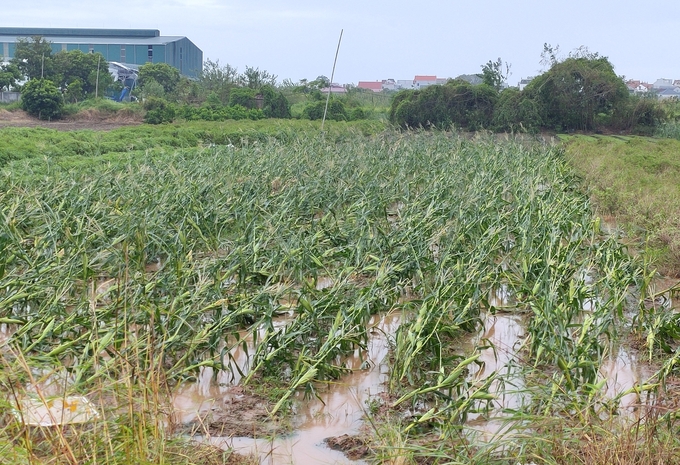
x=41, y=98
x=158, y=111
x=336, y=110
x=242, y=96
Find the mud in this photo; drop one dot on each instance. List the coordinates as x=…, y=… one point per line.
x=354, y=447
x=237, y=412
x=225, y=416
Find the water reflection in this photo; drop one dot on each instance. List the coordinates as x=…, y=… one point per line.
x=338, y=410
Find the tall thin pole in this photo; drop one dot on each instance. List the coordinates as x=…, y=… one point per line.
x=330, y=84
x=96, y=86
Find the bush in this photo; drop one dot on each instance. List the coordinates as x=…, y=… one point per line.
x=639, y=114
x=242, y=96
x=458, y=102
x=336, y=110
x=275, y=103
x=516, y=112
x=158, y=111
x=41, y=98
x=357, y=114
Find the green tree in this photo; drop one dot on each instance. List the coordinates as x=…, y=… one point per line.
x=253, y=78
x=164, y=74
x=9, y=76
x=41, y=98
x=495, y=73
x=87, y=70
x=33, y=57
x=336, y=110
x=515, y=112
x=243, y=96
x=218, y=80
x=573, y=92
x=320, y=82
x=275, y=104
x=458, y=102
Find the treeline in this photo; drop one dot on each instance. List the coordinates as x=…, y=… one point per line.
x=49, y=82
x=581, y=92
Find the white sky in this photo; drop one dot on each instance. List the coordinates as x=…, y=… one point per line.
x=387, y=39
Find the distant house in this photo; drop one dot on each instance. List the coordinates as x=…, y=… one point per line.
x=334, y=89
x=420, y=82
x=404, y=84
x=638, y=87
x=473, y=79
x=662, y=83
x=668, y=92
x=375, y=86
x=524, y=82
x=389, y=84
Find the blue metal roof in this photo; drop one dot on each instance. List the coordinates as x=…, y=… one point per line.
x=77, y=32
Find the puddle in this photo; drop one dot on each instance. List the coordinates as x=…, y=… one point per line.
x=338, y=410
x=192, y=399
x=324, y=282
x=502, y=337
x=623, y=370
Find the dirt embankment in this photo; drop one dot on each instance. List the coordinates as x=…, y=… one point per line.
x=87, y=119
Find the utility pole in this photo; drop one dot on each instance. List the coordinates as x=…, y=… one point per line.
x=330, y=84
x=96, y=85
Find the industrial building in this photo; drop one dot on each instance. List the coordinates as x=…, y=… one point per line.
x=128, y=46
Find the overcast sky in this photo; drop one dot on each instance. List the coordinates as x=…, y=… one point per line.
x=397, y=39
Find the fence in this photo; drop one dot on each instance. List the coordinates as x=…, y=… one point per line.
x=9, y=97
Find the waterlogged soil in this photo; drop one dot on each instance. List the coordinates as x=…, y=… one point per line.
x=331, y=428
x=323, y=427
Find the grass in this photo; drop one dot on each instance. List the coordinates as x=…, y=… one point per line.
x=29, y=144
x=635, y=182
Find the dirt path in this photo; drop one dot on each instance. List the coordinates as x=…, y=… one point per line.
x=88, y=119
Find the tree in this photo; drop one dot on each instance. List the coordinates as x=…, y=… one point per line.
x=218, y=80
x=495, y=73
x=253, y=78
x=164, y=74
x=573, y=92
x=33, y=57
x=41, y=98
x=275, y=104
x=9, y=76
x=87, y=70
x=550, y=55
x=458, y=102
x=320, y=82
x=243, y=96
x=336, y=110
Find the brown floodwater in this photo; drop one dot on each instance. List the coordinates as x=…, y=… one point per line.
x=338, y=410
x=342, y=404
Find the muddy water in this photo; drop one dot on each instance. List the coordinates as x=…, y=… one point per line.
x=338, y=411
x=342, y=404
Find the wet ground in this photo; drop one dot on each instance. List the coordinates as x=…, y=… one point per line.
x=338, y=413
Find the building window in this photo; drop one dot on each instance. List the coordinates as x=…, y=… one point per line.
x=150, y=53
x=91, y=48
x=122, y=53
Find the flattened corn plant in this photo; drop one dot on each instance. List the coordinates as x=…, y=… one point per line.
x=149, y=268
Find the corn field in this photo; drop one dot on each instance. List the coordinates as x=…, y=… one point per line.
x=126, y=276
